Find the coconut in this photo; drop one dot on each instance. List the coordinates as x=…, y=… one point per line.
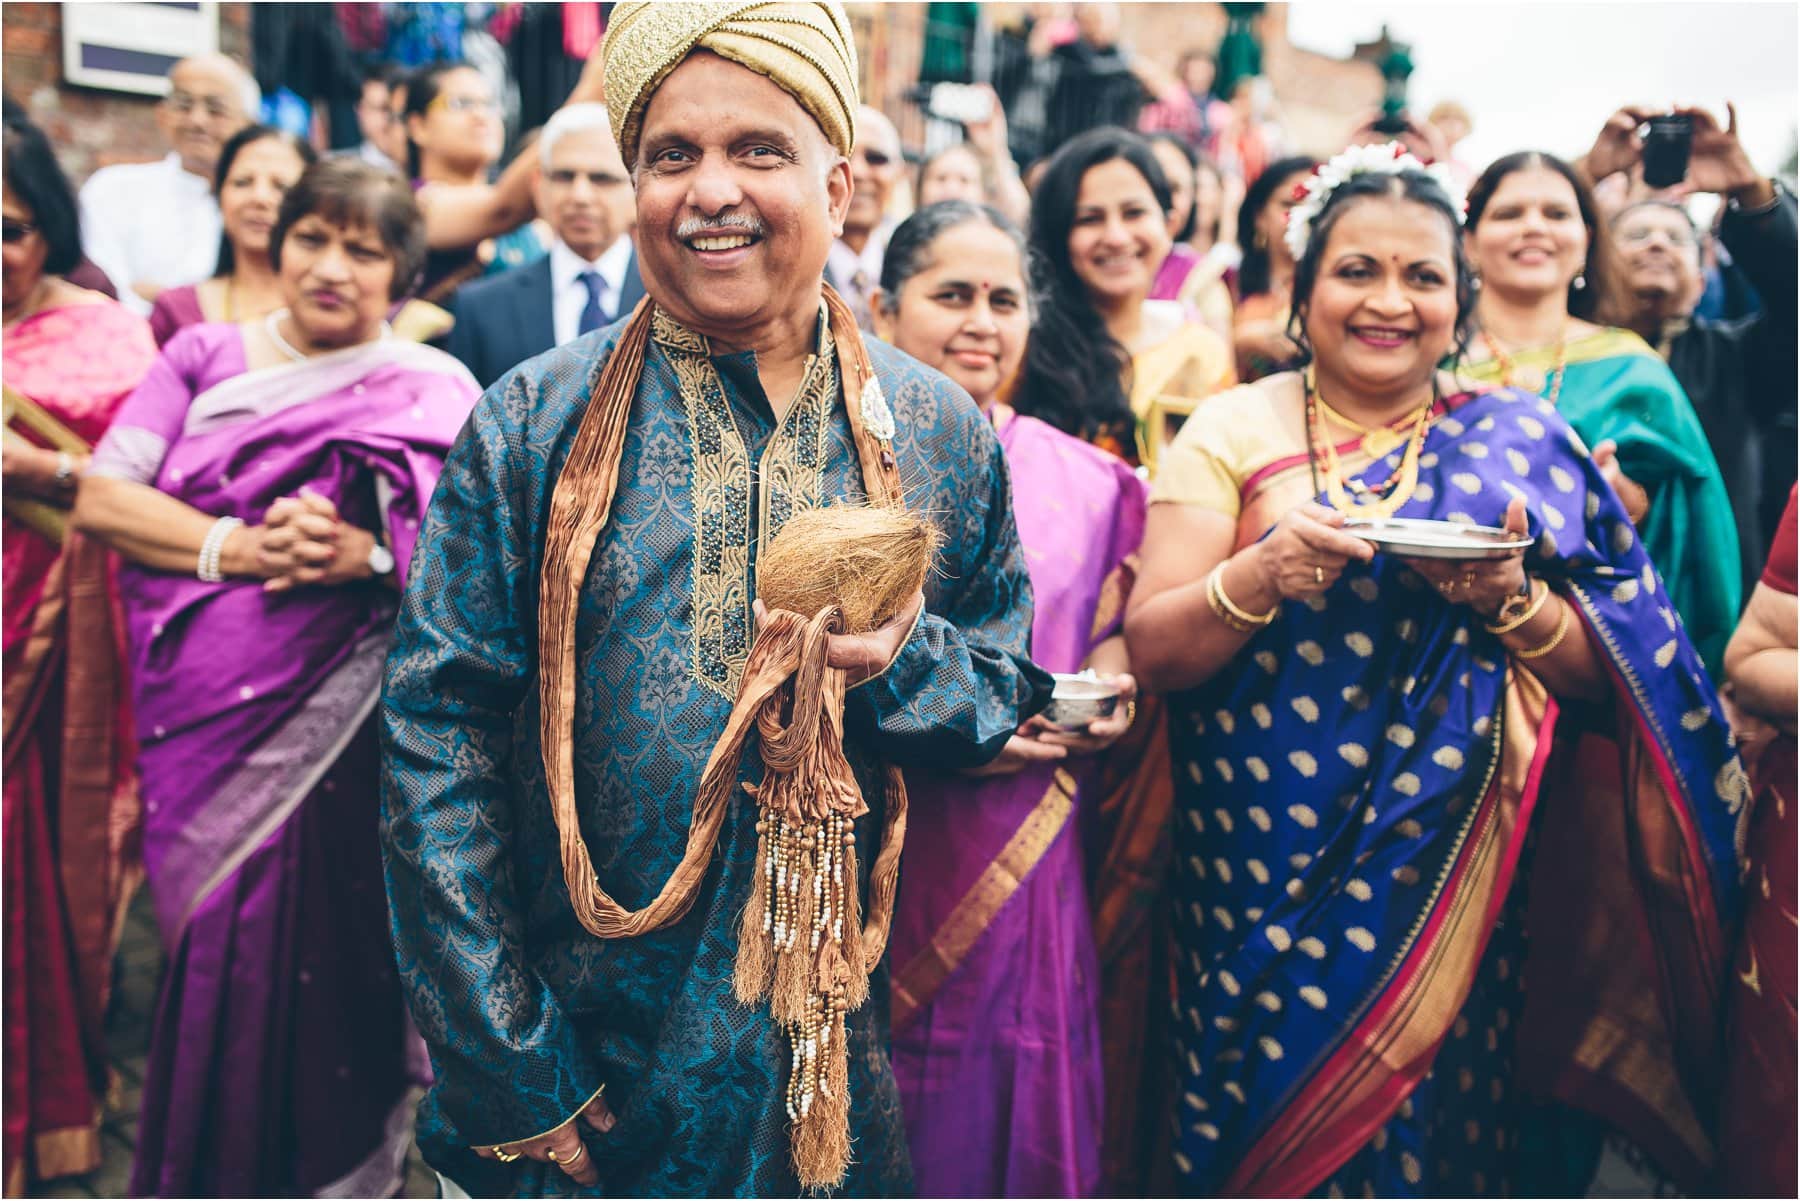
x=867, y=561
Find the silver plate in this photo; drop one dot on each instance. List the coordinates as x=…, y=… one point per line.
x=1420, y=538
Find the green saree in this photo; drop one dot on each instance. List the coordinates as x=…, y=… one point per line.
x=1616, y=387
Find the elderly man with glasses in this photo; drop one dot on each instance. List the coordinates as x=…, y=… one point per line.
x=1740, y=373
x=151, y=226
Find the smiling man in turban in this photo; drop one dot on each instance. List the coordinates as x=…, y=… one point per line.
x=577, y=626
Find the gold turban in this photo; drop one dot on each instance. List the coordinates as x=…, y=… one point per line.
x=804, y=48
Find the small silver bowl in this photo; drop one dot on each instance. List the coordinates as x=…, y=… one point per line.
x=1080, y=700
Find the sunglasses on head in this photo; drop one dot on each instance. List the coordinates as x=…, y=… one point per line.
x=13, y=232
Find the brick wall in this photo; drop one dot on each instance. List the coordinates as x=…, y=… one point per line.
x=89, y=128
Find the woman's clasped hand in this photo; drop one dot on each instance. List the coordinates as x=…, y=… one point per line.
x=302, y=540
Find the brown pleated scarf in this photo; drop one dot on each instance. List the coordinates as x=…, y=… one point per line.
x=801, y=943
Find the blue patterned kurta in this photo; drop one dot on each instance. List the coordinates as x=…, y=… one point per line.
x=527, y=1014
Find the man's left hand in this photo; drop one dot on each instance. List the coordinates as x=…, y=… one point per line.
x=860, y=656
x=1717, y=162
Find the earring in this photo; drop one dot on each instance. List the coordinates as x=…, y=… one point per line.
x=1474, y=281
x=1580, y=281
x=1261, y=242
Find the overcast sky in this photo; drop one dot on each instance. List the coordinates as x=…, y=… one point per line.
x=1546, y=75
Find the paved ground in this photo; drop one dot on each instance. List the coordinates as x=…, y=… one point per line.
x=127, y=1042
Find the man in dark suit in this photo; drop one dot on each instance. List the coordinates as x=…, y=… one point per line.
x=589, y=278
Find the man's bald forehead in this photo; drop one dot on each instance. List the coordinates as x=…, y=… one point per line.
x=873, y=128
x=219, y=70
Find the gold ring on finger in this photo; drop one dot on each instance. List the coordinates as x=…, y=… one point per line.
x=1318, y=574
x=503, y=1155
x=580, y=1150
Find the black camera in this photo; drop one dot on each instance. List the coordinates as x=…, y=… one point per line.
x=1667, y=141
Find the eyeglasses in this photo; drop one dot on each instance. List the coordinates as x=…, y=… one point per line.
x=14, y=232
x=1643, y=234
x=464, y=105
x=184, y=104
x=599, y=179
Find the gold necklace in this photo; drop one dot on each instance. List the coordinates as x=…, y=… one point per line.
x=1355, y=498
x=1553, y=379
x=1378, y=441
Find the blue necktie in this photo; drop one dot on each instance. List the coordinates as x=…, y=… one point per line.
x=591, y=316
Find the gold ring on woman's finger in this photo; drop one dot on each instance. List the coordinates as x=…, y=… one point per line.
x=580, y=1150
x=503, y=1155
x=1318, y=574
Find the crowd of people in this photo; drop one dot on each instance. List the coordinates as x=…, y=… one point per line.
x=382, y=531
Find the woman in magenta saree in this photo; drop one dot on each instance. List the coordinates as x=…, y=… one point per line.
x=265, y=483
x=1397, y=913
x=71, y=798
x=996, y=1041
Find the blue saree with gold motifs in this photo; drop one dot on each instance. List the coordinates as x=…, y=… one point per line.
x=1400, y=859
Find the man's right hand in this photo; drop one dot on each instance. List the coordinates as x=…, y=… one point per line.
x=562, y=1146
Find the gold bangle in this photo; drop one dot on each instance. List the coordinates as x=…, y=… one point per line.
x=1562, y=630
x=1218, y=606
x=1531, y=611
x=1236, y=618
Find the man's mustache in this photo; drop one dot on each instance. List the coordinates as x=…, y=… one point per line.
x=745, y=223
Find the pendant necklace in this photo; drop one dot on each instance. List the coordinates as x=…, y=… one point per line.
x=1378, y=441
x=1354, y=498
x=1553, y=379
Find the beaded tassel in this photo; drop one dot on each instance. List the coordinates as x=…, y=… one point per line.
x=801, y=942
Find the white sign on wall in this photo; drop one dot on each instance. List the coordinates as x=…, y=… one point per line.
x=130, y=46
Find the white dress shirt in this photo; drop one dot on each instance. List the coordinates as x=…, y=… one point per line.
x=371, y=154
x=856, y=276
x=568, y=295
x=150, y=223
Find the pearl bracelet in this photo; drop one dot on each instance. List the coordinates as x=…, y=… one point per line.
x=213, y=547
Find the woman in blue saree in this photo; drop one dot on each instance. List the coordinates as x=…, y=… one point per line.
x=1364, y=876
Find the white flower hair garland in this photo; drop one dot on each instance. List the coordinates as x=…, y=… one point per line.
x=1389, y=158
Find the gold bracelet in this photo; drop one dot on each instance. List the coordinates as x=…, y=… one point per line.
x=1562, y=630
x=1219, y=610
x=1531, y=611
x=1236, y=618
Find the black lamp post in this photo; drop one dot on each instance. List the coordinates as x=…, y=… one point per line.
x=1394, y=61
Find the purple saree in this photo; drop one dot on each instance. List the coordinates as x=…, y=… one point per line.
x=279, y=1058
x=996, y=1042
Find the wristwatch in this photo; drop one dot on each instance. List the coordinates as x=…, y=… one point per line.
x=381, y=560
x=1777, y=191
x=1514, y=607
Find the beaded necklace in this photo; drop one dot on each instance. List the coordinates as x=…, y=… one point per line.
x=1553, y=379
x=1355, y=498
